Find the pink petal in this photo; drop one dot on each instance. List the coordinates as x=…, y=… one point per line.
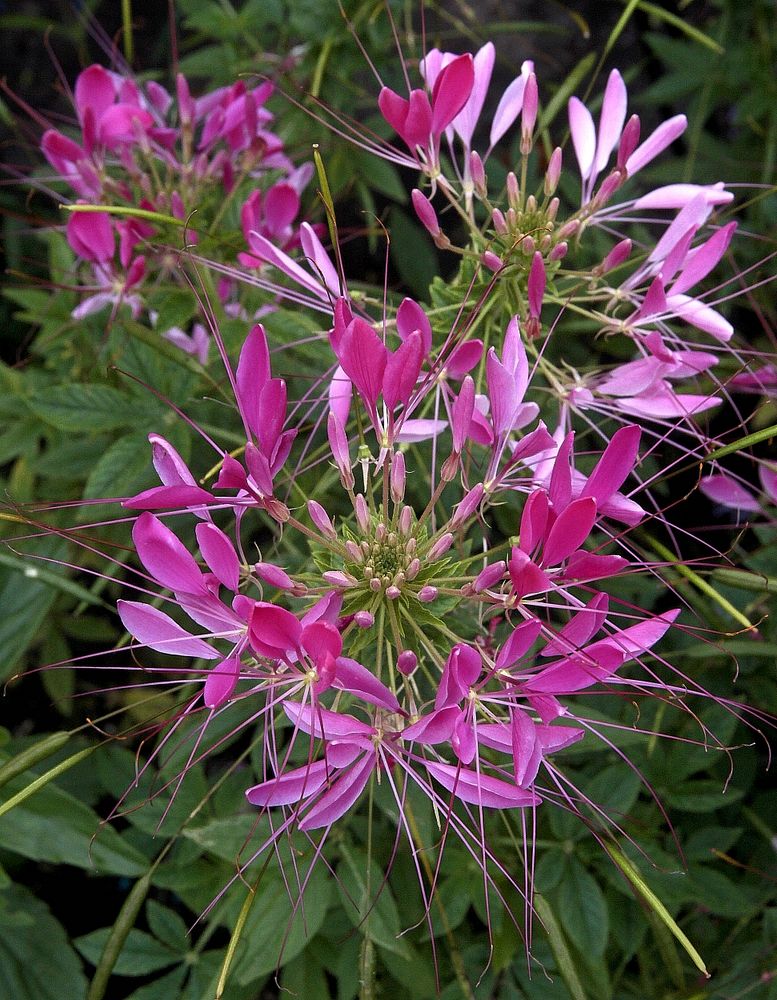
x=91, y=236
x=320, y=638
x=166, y=497
x=480, y=789
x=466, y=120
x=221, y=682
x=587, y=566
x=464, y=358
x=253, y=372
x=401, y=371
x=273, y=631
x=502, y=393
x=436, y=727
x=618, y=460
x=611, y=120
x=322, y=723
x=560, y=487
x=290, y=787
x=527, y=751
x=701, y=316
x=415, y=430
x=726, y=491
x=508, y=109
x=155, y=629
x=577, y=672
x=570, y=530
x=527, y=578
x=411, y=318
x=678, y=195
x=463, y=742
x=581, y=125
x=452, y=89
x=219, y=554
x=95, y=90
x=554, y=738
x=356, y=679
x=281, y=204
x=165, y=557
x=363, y=356
x=319, y=259
x=579, y=628
x=656, y=143
x=343, y=793
x=518, y=643
x=534, y=520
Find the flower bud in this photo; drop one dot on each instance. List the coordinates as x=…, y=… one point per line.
x=427, y=594
x=320, y=518
x=274, y=575
x=629, y=141
x=397, y=477
x=406, y=520
x=338, y=579
x=440, y=547
x=553, y=173
x=491, y=261
x=393, y=592
x=489, y=576
x=407, y=661
x=362, y=513
x=513, y=191
x=364, y=619
x=413, y=569
x=478, y=174
x=529, y=113
x=467, y=506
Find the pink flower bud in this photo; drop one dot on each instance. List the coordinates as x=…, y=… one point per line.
x=407, y=661
x=629, y=140
x=553, y=173
x=461, y=413
x=354, y=551
x=425, y=212
x=513, y=192
x=536, y=285
x=478, y=174
x=499, y=221
x=491, y=261
x=529, y=113
x=406, y=520
x=398, y=477
x=393, y=592
x=427, y=594
x=569, y=229
x=617, y=256
x=362, y=512
x=413, y=569
x=489, y=576
x=364, y=619
x=559, y=251
x=338, y=579
x=338, y=442
x=274, y=575
x=467, y=506
x=320, y=518
x=440, y=547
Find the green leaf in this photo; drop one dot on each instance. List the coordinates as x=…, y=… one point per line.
x=701, y=796
x=272, y=935
x=583, y=910
x=368, y=901
x=54, y=826
x=88, y=407
x=168, y=926
x=123, y=470
x=36, y=960
x=140, y=955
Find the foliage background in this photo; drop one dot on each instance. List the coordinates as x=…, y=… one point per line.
x=65, y=879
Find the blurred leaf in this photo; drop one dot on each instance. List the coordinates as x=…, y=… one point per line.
x=88, y=408
x=140, y=955
x=583, y=910
x=54, y=826
x=368, y=900
x=36, y=960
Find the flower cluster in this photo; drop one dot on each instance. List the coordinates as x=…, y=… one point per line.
x=152, y=159
x=436, y=621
